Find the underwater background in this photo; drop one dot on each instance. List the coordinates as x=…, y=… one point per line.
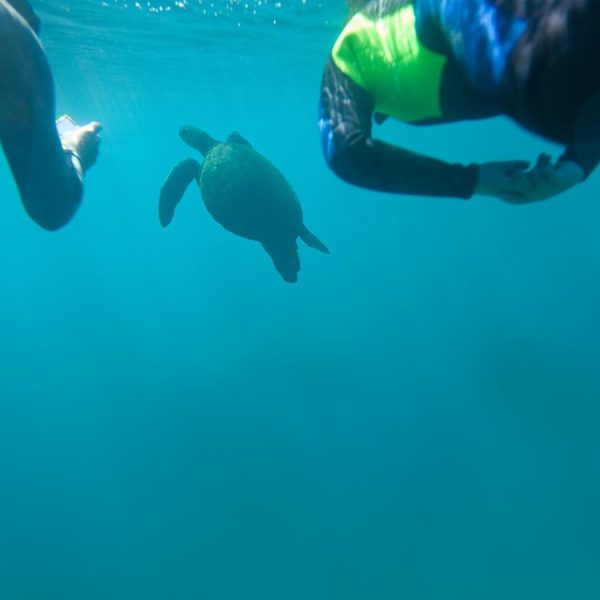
x=416, y=418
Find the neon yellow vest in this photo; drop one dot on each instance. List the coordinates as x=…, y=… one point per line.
x=385, y=57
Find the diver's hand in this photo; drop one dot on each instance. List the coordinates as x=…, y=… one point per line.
x=511, y=182
x=546, y=179
x=83, y=143
x=496, y=178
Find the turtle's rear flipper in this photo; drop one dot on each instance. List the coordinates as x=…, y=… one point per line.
x=285, y=258
x=197, y=139
x=174, y=187
x=310, y=239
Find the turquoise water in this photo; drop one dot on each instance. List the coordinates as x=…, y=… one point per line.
x=416, y=418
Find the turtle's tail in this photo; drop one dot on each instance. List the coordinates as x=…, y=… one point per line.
x=197, y=139
x=310, y=239
x=174, y=187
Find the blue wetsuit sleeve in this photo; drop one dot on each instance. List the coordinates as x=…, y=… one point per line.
x=345, y=123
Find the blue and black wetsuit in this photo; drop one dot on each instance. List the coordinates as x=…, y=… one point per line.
x=49, y=185
x=438, y=61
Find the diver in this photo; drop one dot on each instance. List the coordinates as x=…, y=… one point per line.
x=429, y=62
x=48, y=168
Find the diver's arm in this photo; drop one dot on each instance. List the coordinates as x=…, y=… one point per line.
x=346, y=111
x=48, y=181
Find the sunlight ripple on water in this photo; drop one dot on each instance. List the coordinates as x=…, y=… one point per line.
x=254, y=31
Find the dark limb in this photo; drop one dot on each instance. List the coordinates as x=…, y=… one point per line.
x=48, y=182
x=345, y=121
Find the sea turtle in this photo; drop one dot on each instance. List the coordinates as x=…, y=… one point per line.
x=245, y=193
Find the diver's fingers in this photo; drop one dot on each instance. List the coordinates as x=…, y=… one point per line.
x=513, y=198
x=543, y=160
x=528, y=186
x=542, y=182
x=541, y=178
x=570, y=172
x=94, y=127
x=510, y=167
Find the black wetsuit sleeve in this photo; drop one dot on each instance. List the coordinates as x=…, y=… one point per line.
x=585, y=146
x=346, y=112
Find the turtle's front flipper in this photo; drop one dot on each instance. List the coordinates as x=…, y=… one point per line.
x=174, y=187
x=285, y=258
x=310, y=239
x=197, y=139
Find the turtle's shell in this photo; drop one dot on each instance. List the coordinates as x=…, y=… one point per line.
x=248, y=195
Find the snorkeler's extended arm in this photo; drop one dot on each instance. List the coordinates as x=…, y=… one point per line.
x=346, y=111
